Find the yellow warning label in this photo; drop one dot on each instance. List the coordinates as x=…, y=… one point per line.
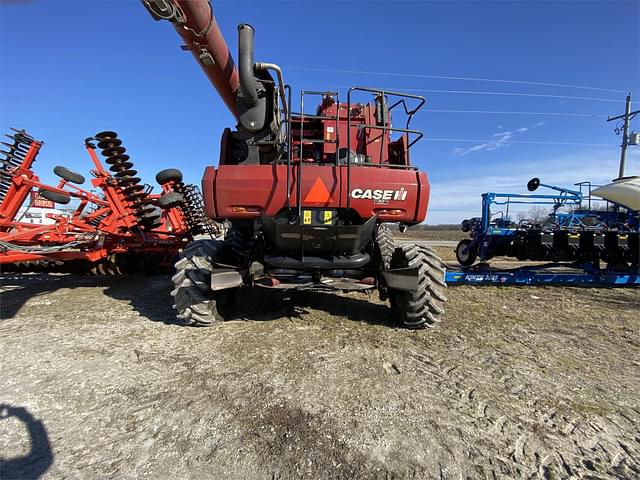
x=307, y=217
x=327, y=217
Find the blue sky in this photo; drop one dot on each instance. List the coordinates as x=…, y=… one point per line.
x=69, y=69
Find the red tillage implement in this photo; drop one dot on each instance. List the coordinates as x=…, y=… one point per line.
x=121, y=228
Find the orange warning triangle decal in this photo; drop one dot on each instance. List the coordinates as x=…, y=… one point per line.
x=318, y=193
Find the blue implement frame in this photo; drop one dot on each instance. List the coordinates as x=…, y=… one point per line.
x=528, y=276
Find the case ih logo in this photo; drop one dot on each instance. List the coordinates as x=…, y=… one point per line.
x=382, y=196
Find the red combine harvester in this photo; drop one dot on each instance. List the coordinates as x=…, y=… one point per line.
x=121, y=230
x=307, y=195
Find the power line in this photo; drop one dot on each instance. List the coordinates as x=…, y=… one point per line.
x=532, y=142
x=557, y=114
x=507, y=94
x=481, y=92
x=452, y=77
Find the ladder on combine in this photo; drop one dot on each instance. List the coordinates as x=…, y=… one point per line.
x=297, y=145
x=311, y=147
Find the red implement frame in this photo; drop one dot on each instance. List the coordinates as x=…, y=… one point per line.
x=99, y=225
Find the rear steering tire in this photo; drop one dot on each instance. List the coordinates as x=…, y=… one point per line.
x=384, y=247
x=425, y=306
x=385, y=244
x=194, y=301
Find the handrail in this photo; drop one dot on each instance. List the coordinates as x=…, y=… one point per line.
x=382, y=93
x=287, y=89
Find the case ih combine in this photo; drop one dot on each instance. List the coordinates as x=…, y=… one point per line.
x=307, y=195
x=119, y=230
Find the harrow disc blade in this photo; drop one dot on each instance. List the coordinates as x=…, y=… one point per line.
x=112, y=151
x=12, y=154
x=133, y=188
x=136, y=196
x=106, y=134
x=127, y=174
x=110, y=142
x=115, y=159
x=147, y=209
x=126, y=180
x=124, y=164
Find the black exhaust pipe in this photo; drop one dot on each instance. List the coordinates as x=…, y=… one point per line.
x=246, y=64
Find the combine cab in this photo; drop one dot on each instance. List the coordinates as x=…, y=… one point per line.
x=307, y=194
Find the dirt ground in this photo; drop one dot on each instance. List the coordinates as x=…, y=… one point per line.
x=98, y=381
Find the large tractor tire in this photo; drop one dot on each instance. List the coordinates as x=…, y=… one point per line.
x=194, y=301
x=424, y=307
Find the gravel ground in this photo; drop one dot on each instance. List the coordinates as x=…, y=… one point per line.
x=98, y=381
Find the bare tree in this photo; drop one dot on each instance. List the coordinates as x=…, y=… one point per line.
x=536, y=215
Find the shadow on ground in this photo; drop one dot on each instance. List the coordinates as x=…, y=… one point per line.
x=40, y=457
x=151, y=298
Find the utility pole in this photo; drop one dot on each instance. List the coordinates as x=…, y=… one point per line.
x=626, y=139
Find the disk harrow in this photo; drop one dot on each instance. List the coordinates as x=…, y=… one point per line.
x=121, y=229
x=188, y=199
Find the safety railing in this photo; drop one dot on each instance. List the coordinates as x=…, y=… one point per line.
x=384, y=127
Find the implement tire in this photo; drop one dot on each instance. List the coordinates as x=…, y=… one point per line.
x=170, y=200
x=465, y=256
x=194, y=301
x=424, y=307
x=69, y=175
x=55, y=197
x=169, y=175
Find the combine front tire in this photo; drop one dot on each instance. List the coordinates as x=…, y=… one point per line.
x=196, y=304
x=423, y=307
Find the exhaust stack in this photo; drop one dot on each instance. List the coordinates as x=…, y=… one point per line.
x=246, y=64
x=251, y=100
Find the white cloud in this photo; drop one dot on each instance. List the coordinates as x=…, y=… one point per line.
x=454, y=200
x=500, y=140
